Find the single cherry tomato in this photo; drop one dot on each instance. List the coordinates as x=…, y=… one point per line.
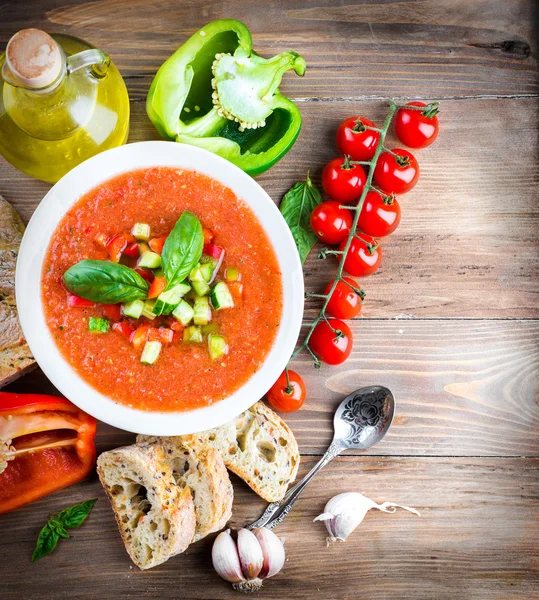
x=209, y=236
x=396, y=175
x=380, y=215
x=284, y=398
x=332, y=342
x=417, y=128
x=364, y=256
x=357, y=141
x=111, y=311
x=156, y=244
x=123, y=328
x=330, y=222
x=342, y=181
x=345, y=302
x=157, y=286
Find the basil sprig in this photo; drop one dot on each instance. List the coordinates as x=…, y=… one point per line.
x=70, y=518
x=182, y=249
x=105, y=282
x=296, y=207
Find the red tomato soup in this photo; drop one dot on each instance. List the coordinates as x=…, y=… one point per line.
x=184, y=377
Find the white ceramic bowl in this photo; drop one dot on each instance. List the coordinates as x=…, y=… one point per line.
x=28, y=285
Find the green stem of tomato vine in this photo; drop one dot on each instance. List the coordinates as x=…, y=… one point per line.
x=393, y=107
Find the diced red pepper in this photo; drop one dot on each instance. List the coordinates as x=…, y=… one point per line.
x=102, y=239
x=132, y=250
x=157, y=243
x=145, y=273
x=214, y=251
x=162, y=335
x=116, y=246
x=158, y=285
x=73, y=300
x=209, y=236
x=124, y=328
x=48, y=443
x=138, y=337
x=111, y=311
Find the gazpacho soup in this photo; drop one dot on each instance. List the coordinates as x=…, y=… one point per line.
x=162, y=290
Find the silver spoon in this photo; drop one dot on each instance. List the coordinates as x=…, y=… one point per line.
x=361, y=420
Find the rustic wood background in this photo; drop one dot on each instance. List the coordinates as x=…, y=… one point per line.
x=450, y=322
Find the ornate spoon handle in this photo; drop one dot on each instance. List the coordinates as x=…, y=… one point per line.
x=277, y=511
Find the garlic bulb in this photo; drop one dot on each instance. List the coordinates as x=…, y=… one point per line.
x=255, y=555
x=344, y=512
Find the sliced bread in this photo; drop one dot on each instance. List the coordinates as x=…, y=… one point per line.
x=257, y=446
x=202, y=470
x=156, y=518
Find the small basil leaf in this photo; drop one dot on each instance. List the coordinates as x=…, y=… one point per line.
x=58, y=528
x=105, y=282
x=182, y=249
x=46, y=542
x=296, y=207
x=75, y=515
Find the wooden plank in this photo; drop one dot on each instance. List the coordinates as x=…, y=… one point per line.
x=476, y=538
x=467, y=245
x=463, y=388
x=353, y=50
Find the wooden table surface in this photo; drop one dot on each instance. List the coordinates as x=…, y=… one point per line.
x=450, y=322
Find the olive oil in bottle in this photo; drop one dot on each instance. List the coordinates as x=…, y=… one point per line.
x=61, y=102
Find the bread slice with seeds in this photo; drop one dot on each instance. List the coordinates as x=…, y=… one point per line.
x=201, y=469
x=156, y=518
x=257, y=446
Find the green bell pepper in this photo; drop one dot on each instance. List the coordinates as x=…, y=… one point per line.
x=216, y=93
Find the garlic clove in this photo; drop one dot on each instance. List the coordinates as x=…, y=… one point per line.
x=272, y=550
x=226, y=561
x=250, y=553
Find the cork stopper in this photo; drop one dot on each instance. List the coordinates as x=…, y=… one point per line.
x=34, y=58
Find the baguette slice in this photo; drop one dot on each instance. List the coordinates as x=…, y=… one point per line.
x=257, y=446
x=156, y=518
x=203, y=471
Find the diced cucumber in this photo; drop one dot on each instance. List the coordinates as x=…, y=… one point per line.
x=202, y=311
x=206, y=271
x=210, y=328
x=141, y=231
x=133, y=309
x=147, y=311
x=150, y=260
x=167, y=301
x=150, y=353
x=200, y=287
x=217, y=346
x=98, y=325
x=183, y=313
x=192, y=335
x=232, y=274
x=221, y=297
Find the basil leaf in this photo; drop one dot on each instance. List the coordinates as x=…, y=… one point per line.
x=69, y=518
x=182, y=249
x=46, y=542
x=296, y=207
x=105, y=282
x=76, y=515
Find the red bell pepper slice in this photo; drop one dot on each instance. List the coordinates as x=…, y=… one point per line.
x=77, y=301
x=214, y=251
x=156, y=244
x=158, y=285
x=46, y=444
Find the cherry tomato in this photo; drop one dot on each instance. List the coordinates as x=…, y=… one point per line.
x=344, y=303
x=364, y=256
x=330, y=222
x=417, y=128
x=285, y=399
x=356, y=141
x=380, y=215
x=396, y=175
x=342, y=181
x=328, y=345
